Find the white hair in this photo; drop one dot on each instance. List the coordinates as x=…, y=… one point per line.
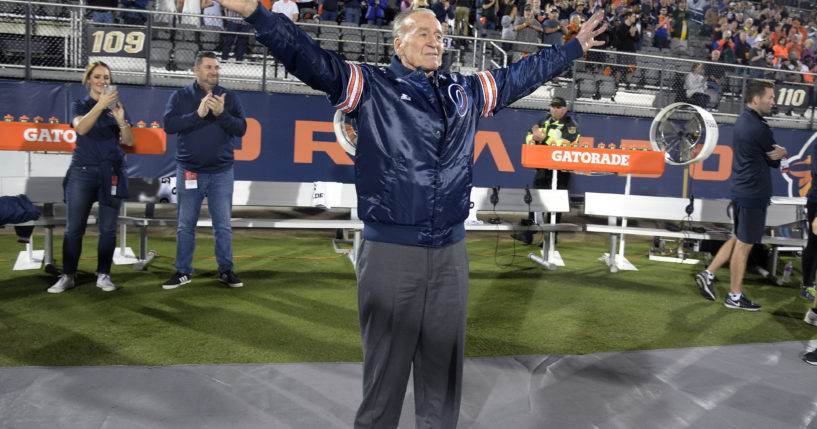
x=402, y=21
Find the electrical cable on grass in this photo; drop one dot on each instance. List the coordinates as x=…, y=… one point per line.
x=496, y=244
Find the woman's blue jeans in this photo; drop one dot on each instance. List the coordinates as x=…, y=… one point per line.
x=81, y=190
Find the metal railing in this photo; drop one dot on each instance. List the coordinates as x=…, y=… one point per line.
x=36, y=44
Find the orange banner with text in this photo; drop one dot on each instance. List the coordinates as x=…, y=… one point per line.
x=40, y=136
x=592, y=159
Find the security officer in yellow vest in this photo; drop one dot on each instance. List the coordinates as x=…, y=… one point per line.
x=556, y=129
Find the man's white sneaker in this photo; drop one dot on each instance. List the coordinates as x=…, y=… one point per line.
x=811, y=317
x=103, y=281
x=64, y=282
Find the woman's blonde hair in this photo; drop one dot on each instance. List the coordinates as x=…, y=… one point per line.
x=86, y=77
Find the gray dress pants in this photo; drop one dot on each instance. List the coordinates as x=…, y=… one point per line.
x=412, y=305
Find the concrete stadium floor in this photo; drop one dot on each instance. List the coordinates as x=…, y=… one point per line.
x=745, y=386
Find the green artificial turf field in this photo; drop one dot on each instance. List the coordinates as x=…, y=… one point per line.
x=299, y=305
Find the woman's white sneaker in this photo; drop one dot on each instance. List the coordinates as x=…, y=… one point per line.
x=103, y=281
x=64, y=282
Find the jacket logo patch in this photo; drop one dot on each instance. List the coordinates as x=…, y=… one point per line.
x=571, y=130
x=459, y=98
x=405, y=97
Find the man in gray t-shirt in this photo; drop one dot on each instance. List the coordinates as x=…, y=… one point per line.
x=553, y=31
x=757, y=57
x=528, y=30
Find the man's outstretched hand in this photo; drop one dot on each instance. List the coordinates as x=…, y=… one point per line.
x=590, y=29
x=244, y=8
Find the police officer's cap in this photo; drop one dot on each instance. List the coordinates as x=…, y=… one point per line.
x=558, y=102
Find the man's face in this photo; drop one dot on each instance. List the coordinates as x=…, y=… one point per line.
x=764, y=103
x=421, y=45
x=558, y=112
x=207, y=73
x=716, y=55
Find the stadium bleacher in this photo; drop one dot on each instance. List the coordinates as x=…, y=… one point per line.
x=657, y=77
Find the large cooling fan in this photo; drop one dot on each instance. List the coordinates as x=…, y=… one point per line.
x=685, y=132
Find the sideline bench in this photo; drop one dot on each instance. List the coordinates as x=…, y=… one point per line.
x=299, y=194
x=48, y=191
x=267, y=194
x=542, y=200
x=711, y=211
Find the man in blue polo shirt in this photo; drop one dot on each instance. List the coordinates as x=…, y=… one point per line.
x=207, y=118
x=755, y=154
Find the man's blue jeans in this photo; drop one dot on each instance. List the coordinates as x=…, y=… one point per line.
x=352, y=15
x=329, y=15
x=218, y=188
x=102, y=16
x=240, y=42
x=718, y=89
x=81, y=190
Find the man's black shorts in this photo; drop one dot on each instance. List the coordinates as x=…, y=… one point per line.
x=749, y=223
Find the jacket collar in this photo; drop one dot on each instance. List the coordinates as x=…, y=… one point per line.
x=400, y=70
x=217, y=90
x=755, y=114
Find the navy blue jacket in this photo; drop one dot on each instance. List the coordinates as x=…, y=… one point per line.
x=751, y=173
x=17, y=210
x=415, y=146
x=100, y=147
x=204, y=145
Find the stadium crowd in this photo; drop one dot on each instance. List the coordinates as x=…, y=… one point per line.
x=746, y=33
x=774, y=42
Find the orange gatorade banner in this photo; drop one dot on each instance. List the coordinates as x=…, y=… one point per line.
x=592, y=159
x=34, y=136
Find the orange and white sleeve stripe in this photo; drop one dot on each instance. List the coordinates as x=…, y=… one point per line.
x=353, y=90
x=489, y=94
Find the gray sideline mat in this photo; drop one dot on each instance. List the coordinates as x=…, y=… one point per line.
x=745, y=386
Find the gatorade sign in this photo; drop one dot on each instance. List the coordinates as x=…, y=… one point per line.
x=54, y=135
x=589, y=158
x=33, y=136
x=592, y=159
